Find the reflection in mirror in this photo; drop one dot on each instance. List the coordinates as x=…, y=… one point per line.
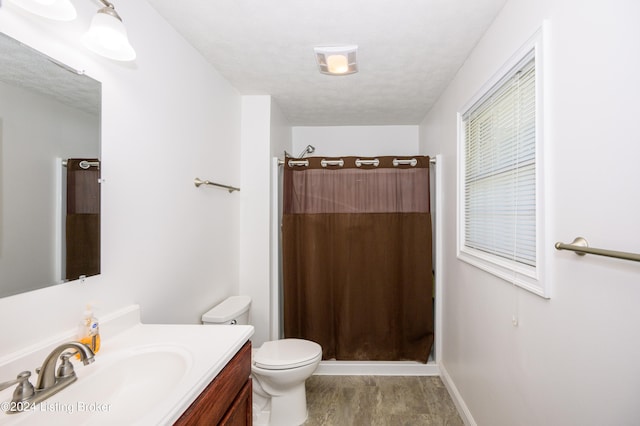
x=49, y=203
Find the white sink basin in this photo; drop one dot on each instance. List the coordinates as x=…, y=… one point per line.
x=123, y=385
x=145, y=374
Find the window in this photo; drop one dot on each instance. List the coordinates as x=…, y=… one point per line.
x=499, y=194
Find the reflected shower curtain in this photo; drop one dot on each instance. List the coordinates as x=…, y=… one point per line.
x=357, y=272
x=83, y=219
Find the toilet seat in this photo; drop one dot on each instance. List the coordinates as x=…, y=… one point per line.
x=286, y=353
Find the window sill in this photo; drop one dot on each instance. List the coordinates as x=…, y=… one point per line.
x=523, y=276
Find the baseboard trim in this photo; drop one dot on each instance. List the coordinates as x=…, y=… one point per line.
x=377, y=368
x=463, y=410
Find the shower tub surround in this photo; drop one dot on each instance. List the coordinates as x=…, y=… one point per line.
x=145, y=374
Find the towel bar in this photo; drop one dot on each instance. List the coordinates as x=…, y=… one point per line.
x=197, y=182
x=581, y=247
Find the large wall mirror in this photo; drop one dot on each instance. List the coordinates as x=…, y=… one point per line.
x=49, y=171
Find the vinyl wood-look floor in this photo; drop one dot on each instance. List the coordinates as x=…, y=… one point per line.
x=379, y=400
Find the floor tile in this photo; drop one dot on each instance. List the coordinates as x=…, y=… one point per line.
x=379, y=400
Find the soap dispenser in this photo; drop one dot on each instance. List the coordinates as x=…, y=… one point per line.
x=89, y=330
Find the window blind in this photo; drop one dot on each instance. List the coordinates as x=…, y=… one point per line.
x=500, y=178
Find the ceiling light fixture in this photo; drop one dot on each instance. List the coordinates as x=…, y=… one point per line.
x=106, y=35
x=337, y=60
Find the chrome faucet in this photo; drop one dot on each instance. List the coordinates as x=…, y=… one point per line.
x=49, y=381
x=47, y=376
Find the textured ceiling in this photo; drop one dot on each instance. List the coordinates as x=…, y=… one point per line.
x=408, y=51
x=24, y=67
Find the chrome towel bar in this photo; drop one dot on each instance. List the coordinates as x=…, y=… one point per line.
x=197, y=182
x=84, y=164
x=581, y=247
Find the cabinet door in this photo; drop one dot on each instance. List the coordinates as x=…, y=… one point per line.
x=211, y=407
x=239, y=413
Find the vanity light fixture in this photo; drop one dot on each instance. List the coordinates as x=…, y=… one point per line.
x=59, y=10
x=337, y=60
x=106, y=35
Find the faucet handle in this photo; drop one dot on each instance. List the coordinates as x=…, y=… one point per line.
x=66, y=367
x=25, y=389
x=20, y=378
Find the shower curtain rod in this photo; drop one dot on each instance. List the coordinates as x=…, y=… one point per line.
x=300, y=162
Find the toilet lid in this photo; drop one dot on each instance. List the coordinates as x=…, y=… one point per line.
x=286, y=353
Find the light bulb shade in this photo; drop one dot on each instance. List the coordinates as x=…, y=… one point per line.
x=59, y=10
x=108, y=37
x=337, y=64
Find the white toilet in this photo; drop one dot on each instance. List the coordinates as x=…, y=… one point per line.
x=279, y=368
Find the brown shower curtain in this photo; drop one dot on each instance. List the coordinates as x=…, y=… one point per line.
x=357, y=258
x=83, y=219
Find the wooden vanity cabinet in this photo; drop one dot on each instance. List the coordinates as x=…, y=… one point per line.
x=227, y=399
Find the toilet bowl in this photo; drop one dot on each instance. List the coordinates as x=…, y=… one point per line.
x=279, y=368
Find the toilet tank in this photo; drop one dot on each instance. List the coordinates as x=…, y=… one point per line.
x=233, y=310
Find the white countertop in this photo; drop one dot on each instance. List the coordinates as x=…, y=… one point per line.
x=197, y=355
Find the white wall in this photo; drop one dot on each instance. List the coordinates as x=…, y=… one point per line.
x=254, y=211
x=573, y=359
x=166, y=118
x=281, y=140
x=334, y=141
x=265, y=133
x=35, y=130
x=281, y=132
